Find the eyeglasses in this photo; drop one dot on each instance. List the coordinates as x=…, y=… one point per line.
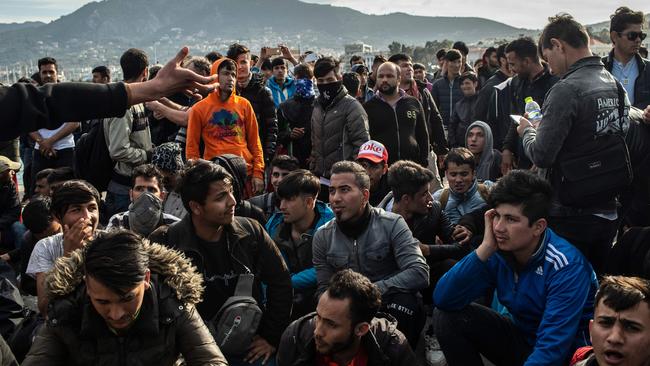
x=631, y=36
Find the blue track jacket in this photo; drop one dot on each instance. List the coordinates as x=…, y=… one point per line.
x=551, y=299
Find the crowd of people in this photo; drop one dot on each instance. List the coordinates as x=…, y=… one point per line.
x=259, y=209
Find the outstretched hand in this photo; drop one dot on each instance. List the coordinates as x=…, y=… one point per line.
x=171, y=79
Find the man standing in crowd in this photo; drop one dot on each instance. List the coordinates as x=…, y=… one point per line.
x=376, y=62
x=487, y=90
x=346, y=329
x=292, y=230
x=463, y=110
x=339, y=125
x=111, y=303
x=128, y=138
x=420, y=74
x=633, y=72
x=533, y=79
x=375, y=243
x=620, y=329
x=52, y=148
x=226, y=124
x=464, y=50
x=446, y=90
x=373, y=157
x=577, y=122
x=282, y=85
x=294, y=115
x=222, y=247
x=75, y=204
x=281, y=166
x=250, y=85
x=145, y=212
x=544, y=282
x=397, y=119
x=489, y=67
x=101, y=75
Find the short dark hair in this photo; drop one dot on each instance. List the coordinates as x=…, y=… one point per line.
x=441, y=53
x=285, y=162
x=47, y=61
x=379, y=59
x=213, y=56
x=460, y=156
x=356, y=58
x=624, y=16
x=564, y=27
x=153, y=70
x=227, y=64
x=621, y=293
x=361, y=177
x=61, y=174
x=148, y=172
x=43, y=174
x=419, y=66
x=398, y=57
x=117, y=259
x=523, y=47
x=104, y=71
x=468, y=75
x=195, y=180
x=461, y=46
x=278, y=61
x=324, y=65
x=365, y=298
x=201, y=64
x=235, y=50
x=351, y=82
x=407, y=177
x=37, y=214
x=72, y=192
x=298, y=182
x=453, y=55
x=303, y=71
x=488, y=51
x=522, y=187
x=501, y=52
x=266, y=65
x=133, y=63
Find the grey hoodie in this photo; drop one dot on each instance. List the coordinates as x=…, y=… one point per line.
x=488, y=168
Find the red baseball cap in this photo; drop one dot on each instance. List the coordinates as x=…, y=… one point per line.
x=373, y=151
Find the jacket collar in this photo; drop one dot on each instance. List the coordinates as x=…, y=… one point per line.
x=462, y=197
x=583, y=62
x=609, y=61
x=535, y=260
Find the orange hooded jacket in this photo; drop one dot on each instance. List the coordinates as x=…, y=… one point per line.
x=228, y=127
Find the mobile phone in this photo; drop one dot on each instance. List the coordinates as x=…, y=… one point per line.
x=272, y=51
x=312, y=57
x=516, y=118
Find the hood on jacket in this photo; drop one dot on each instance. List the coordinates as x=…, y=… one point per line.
x=277, y=219
x=288, y=81
x=177, y=272
x=236, y=166
x=213, y=71
x=487, y=156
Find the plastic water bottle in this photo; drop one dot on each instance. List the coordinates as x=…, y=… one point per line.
x=534, y=111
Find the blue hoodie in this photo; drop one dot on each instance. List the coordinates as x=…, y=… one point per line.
x=306, y=278
x=551, y=299
x=460, y=204
x=281, y=93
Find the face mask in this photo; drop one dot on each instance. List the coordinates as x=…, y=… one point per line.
x=305, y=88
x=329, y=91
x=145, y=213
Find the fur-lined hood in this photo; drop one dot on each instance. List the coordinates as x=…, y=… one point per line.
x=174, y=268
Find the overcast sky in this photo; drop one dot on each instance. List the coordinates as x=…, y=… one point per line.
x=519, y=13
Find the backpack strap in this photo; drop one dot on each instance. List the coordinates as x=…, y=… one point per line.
x=245, y=285
x=444, y=198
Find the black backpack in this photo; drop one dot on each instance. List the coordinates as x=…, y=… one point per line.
x=92, y=159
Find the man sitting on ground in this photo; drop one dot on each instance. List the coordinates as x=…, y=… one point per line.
x=145, y=212
x=545, y=283
x=122, y=298
x=346, y=329
x=281, y=166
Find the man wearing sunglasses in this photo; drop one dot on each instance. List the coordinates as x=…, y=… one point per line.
x=624, y=62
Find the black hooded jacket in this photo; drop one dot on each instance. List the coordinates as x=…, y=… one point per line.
x=262, y=101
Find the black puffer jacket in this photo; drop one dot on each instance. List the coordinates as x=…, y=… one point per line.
x=167, y=325
x=262, y=101
x=384, y=344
